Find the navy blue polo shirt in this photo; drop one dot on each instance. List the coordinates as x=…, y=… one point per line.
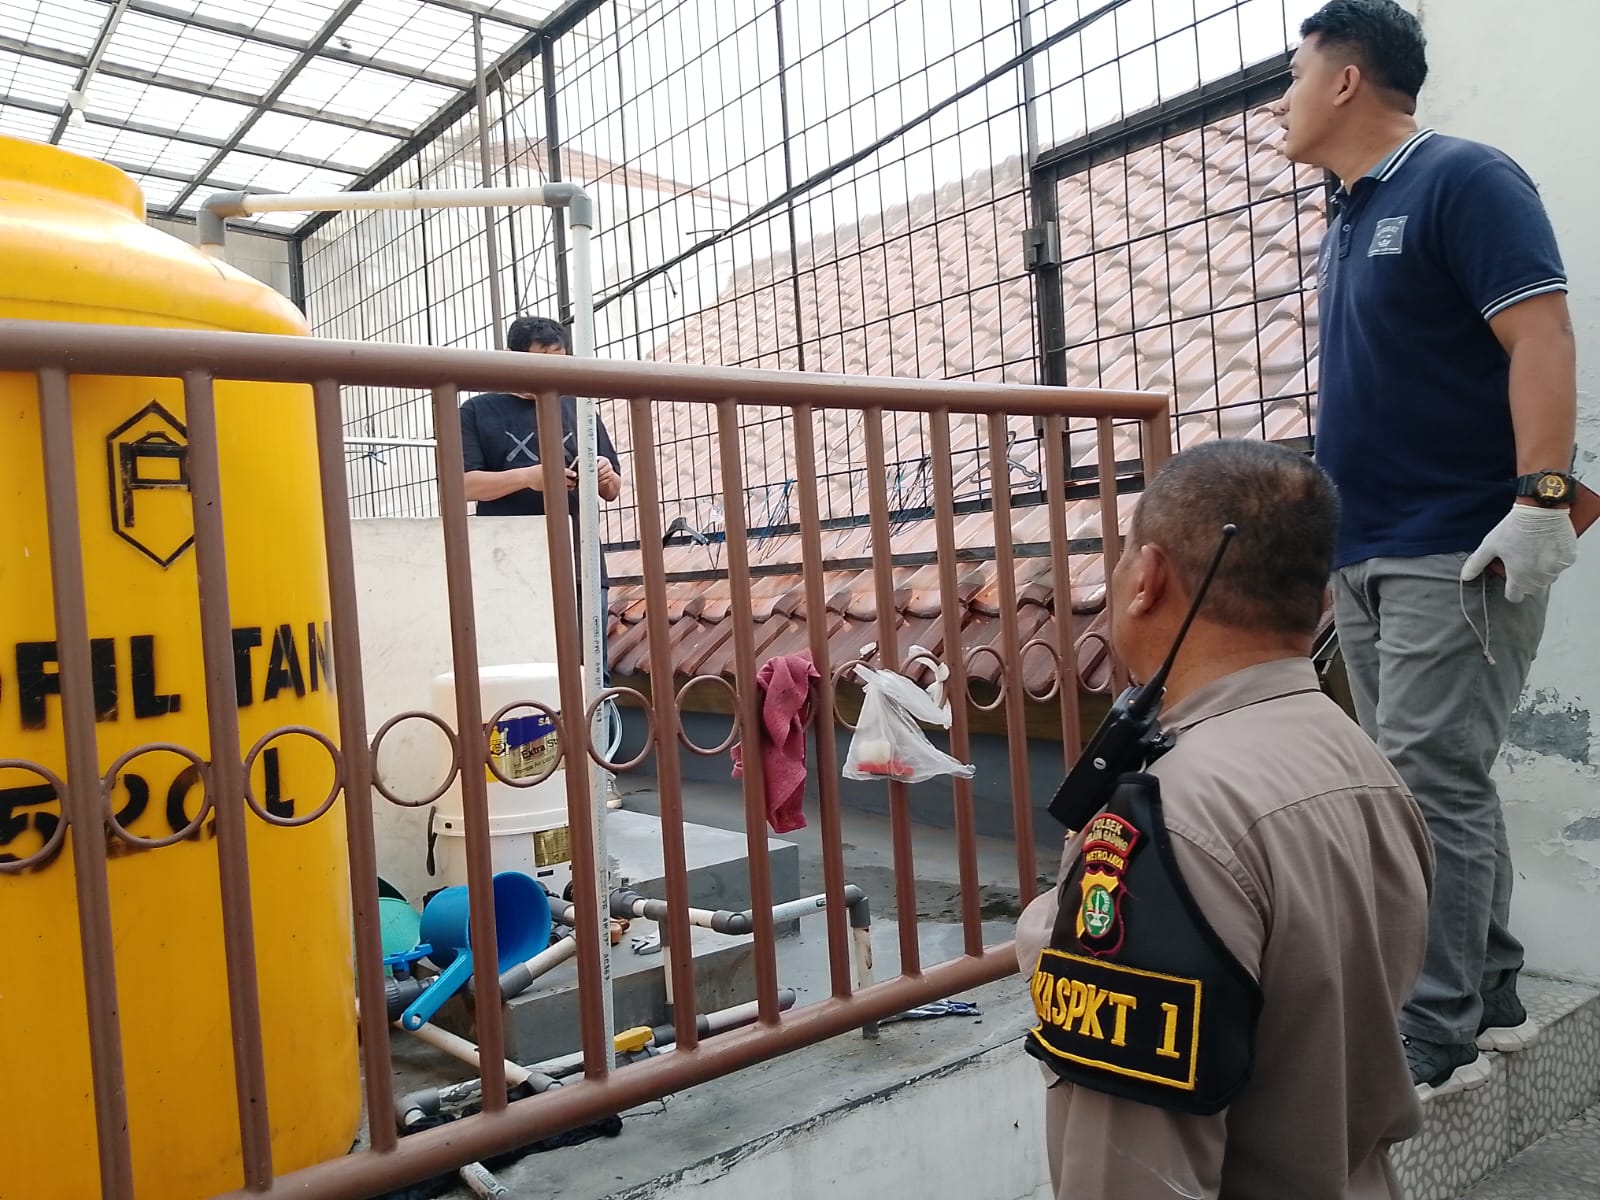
x=1414, y=413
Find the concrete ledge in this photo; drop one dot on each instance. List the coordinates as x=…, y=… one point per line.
x=717, y=861
x=834, y=1120
x=1466, y=1136
x=542, y=1023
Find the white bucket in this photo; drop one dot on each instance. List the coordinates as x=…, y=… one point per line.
x=527, y=825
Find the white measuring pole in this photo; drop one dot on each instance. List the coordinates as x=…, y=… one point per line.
x=593, y=616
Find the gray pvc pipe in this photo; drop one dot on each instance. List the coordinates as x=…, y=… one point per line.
x=706, y=1024
x=518, y=979
x=625, y=902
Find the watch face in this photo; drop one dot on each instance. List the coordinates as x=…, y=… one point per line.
x=1551, y=487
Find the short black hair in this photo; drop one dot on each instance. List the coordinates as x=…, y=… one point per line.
x=1274, y=576
x=1382, y=38
x=526, y=332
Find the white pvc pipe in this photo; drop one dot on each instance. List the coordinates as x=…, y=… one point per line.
x=553, y=956
x=593, y=617
x=459, y=1047
x=523, y=974
x=793, y=910
x=651, y=909
x=861, y=943
x=481, y=1183
x=716, y=1022
x=404, y=199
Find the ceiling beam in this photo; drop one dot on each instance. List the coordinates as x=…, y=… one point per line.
x=108, y=28
x=155, y=172
x=509, y=63
x=561, y=22
x=197, y=139
x=180, y=177
x=122, y=164
x=330, y=27
x=216, y=143
x=257, y=231
x=569, y=16
x=472, y=8
x=30, y=104
x=149, y=8
x=176, y=83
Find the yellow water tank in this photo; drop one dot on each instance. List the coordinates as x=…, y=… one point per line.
x=74, y=247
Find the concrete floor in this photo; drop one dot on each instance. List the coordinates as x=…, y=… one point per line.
x=1564, y=1165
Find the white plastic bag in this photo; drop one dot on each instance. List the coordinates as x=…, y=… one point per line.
x=889, y=743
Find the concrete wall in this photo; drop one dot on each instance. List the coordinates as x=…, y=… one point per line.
x=264, y=258
x=930, y=805
x=1517, y=77
x=405, y=644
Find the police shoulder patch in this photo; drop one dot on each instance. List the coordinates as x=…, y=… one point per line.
x=1139, y=1025
x=1108, y=846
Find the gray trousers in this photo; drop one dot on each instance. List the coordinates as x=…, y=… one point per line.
x=1437, y=698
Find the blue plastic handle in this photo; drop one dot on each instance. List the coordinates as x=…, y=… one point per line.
x=451, y=980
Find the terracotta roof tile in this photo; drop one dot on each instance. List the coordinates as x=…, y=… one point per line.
x=1184, y=269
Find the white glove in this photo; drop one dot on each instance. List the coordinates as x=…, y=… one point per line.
x=1533, y=544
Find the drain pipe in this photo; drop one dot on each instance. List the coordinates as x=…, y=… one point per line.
x=467, y=1052
x=416, y=1106
x=430, y=1101
x=519, y=978
x=627, y=903
x=215, y=212
x=861, y=948
x=402, y=993
x=664, y=1037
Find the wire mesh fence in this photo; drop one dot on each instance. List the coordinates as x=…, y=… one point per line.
x=865, y=188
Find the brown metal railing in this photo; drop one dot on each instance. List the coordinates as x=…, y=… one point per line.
x=53, y=352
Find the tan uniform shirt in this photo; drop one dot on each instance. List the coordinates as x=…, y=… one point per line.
x=1312, y=862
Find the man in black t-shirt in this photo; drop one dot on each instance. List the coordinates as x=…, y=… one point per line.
x=501, y=455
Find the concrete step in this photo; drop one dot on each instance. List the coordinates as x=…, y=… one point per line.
x=1532, y=1093
x=1564, y=1165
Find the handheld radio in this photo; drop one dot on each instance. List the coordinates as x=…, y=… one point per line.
x=1130, y=737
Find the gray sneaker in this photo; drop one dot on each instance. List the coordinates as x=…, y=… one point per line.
x=1506, y=1026
x=1438, y=1069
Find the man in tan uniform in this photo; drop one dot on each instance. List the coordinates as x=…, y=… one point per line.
x=1299, y=871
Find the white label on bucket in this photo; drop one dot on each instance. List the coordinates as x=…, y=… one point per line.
x=551, y=847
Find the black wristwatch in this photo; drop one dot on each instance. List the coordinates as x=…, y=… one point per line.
x=1547, y=488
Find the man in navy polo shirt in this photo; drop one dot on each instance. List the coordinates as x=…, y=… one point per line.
x=1447, y=411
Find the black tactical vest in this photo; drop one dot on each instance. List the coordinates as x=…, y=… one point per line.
x=1136, y=994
